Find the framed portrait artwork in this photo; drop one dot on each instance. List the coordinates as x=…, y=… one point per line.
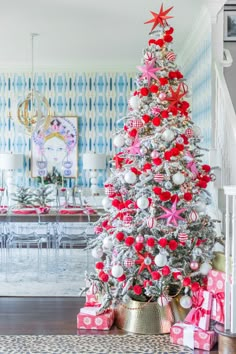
x=230, y=23
x=54, y=149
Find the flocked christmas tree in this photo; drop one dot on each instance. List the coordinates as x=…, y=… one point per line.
x=156, y=237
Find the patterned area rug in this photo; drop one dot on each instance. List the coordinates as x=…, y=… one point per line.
x=90, y=344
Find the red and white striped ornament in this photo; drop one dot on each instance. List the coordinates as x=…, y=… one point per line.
x=110, y=191
x=171, y=56
x=151, y=222
x=129, y=262
x=127, y=220
x=135, y=123
x=189, y=132
x=193, y=216
x=183, y=237
x=158, y=177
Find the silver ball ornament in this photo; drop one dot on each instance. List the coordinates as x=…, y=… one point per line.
x=186, y=302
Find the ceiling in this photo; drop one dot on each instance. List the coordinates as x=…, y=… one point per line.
x=84, y=35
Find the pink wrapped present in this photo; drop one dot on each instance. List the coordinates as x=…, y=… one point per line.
x=200, y=314
x=216, y=284
x=93, y=321
x=192, y=337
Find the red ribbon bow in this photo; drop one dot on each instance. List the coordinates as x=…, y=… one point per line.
x=220, y=296
x=198, y=312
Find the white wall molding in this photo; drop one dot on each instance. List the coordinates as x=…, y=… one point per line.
x=214, y=7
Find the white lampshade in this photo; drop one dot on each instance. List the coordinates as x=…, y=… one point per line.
x=11, y=161
x=94, y=161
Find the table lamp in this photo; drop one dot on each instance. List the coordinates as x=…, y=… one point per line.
x=10, y=162
x=94, y=162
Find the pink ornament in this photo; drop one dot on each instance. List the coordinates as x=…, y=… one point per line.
x=183, y=237
x=98, y=229
x=171, y=56
x=158, y=177
x=110, y=191
x=139, y=239
x=154, y=154
x=135, y=123
x=129, y=262
x=189, y=133
x=151, y=222
x=162, y=96
x=128, y=220
x=149, y=57
x=194, y=265
x=193, y=216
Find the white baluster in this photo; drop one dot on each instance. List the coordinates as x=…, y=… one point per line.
x=233, y=285
x=227, y=267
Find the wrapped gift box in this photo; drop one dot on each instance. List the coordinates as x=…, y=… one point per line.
x=91, y=298
x=93, y=321
x=192, y=337
x=216, y=284
x=200, y=314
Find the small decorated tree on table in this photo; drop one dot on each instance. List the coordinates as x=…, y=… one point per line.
x=156, y=233
x=23, y=197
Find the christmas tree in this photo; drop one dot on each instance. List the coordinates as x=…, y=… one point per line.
x=156, y=239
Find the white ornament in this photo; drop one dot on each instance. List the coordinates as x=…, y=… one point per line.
x=186, y=302
x=160, y=260
x=107, y=243
x=197, y=130
x=119, y=141
x=97, y=252
x=142, y=202
x=117, y=271
x=106, y=203
x=200, y=207
x=178, y=178
x=168, y=135
x=134, y=102
x=130, y=177
x=205, y=268
x=162, y=300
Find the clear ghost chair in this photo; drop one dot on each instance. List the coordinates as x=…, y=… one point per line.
x=26, y=242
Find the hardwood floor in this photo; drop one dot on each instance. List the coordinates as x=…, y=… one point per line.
x=46, y=315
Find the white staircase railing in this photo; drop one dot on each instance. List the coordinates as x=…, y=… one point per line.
x=223, y=154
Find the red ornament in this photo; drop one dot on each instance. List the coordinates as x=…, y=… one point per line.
x=137, y=289
x=165, y=196
x=186, y=281
x=139, y=247
x=157, y=190
x=120, y=236
x=201, y=184
x=99, y=265
x=160, y=42
x=195, y=286
x=133, y=133
x=156, y=275
x=206, y=168
x=168, y=38
x=175, y=97
x=157, y=161
x=165, y=114
x=156, y=121
x=173, y=245
x=146, y=118
x=151, y=242
x=174, y=151
x=147, y=166
x=153, y=88
x=104, y=277
x=145, y=261
x=165, y=271
x=144, y=91
x=122, y=278
x=129, y=241
x=188, y=197
x=163, y=81
x=163, y=242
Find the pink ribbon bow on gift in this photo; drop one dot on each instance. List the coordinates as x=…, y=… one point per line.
x=220, y=296
x=198, y=312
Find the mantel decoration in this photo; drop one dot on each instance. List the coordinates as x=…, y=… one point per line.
x=156, y=234
x=33, y=111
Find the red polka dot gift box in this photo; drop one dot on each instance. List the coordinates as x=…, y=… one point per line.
x=88, y=318
x=192, y=337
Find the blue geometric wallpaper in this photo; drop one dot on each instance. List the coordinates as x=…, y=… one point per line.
x=98, y=99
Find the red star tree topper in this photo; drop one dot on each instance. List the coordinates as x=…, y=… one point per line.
x=156, y=231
